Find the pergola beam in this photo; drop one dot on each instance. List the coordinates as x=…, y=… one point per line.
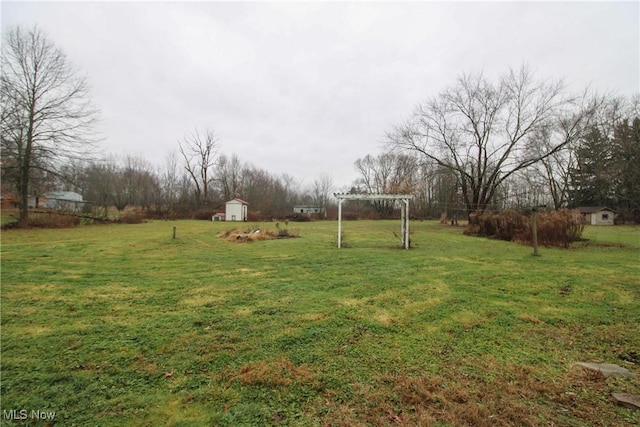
x=372, y=196
x=404, y=211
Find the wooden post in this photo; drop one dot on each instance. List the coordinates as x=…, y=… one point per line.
x=534, y=231
x=174, y=232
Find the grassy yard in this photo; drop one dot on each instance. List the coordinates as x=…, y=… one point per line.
x=123, y=325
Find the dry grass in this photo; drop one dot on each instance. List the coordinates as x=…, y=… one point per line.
x=530, y=318
x=280, y=372
x=484, y=395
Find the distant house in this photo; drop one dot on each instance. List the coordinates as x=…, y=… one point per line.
x=218, y=216
x=236, y=210
x=307, y=210
x=63, y=200
x=8, y=200
x=600, y=215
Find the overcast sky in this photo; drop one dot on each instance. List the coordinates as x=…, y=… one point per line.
x=308, y=88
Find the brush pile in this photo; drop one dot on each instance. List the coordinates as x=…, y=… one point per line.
x=257, y=233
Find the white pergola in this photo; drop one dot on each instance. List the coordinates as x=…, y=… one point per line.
x=404, y=211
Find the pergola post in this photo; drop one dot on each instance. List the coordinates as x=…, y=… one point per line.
x=406, y=236
x=403, y=224
x=339, y=223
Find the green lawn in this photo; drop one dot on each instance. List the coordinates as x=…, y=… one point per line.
x=122, y=325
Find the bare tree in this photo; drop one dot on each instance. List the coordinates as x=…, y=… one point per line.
x=436, y=192
x=270, y=195
x=387, y=173
x=483, y=131
x=566, y=130
x=290, y=187
x=169, y=181
x=199, y=151
x=46, y=115
x=101, y=183
x=229, y=176
x=140, y=180
x=321, y=189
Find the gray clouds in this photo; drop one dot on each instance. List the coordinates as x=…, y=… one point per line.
x=307, y=88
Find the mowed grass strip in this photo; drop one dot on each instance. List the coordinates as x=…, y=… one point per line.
x=123, y=325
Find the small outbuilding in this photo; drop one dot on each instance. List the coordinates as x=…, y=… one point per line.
x=307, y=210
x=236, y=210
x=63, y=200
x=600, y=215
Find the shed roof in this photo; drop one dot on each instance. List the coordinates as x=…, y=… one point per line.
x=70, y=196
x=593, y=209
x=238, y=201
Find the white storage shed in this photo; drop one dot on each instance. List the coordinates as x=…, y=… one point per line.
x=236, y=210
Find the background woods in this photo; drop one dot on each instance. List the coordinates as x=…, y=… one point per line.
x=481, y=144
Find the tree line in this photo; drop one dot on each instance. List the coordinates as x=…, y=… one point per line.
x=175, y=191
x=48, y=140
x=515, y=141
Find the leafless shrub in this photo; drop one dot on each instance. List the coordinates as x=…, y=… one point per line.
x=52, y=220
x=132, y=218
x=556, y=228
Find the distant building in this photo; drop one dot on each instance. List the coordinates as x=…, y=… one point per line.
x=218, y=216
x=236, y=210
x=62, y=200
x=307, y=210
x=601, y=215
x=8, y=200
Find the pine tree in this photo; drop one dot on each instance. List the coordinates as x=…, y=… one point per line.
x=626, y=158
x=593, y=179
